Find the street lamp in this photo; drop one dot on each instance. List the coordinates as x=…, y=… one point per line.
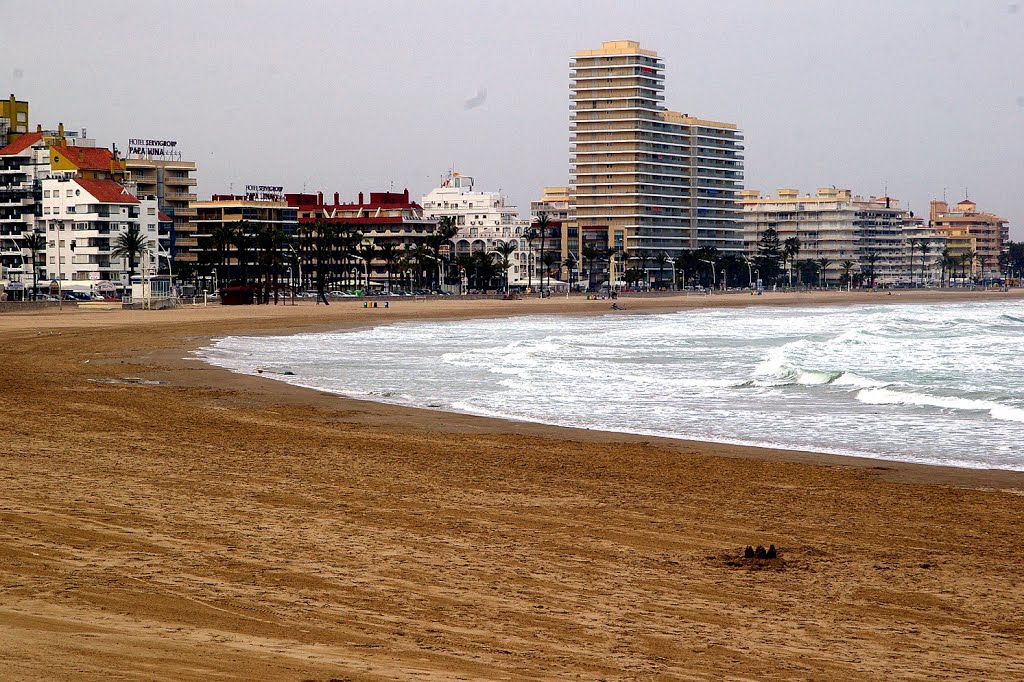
x=714, y=275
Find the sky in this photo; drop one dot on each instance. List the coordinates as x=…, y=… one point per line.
x=919, y=98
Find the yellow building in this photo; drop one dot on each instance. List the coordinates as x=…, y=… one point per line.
x=646, y=178
x=13, y=120
x=968, y=231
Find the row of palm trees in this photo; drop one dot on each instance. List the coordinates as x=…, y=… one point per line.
x=319, y=256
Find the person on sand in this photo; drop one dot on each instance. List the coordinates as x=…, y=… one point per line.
x=616, y=306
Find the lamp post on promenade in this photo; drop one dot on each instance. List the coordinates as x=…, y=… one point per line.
x=714, y=274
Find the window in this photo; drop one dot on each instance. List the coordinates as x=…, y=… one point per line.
x=71, y=209
x=71, y=193
x=46, y=194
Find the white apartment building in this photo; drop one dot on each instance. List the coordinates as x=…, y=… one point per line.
x=484, y=220
x=82, y=219
x=23, y=165
x=833, y=224
x=922, y=248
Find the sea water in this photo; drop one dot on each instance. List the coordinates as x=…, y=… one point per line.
x=939, y=384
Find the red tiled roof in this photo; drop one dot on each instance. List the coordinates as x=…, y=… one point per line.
x=21, y=144
x=164, y=218
x=107, y=191
x=87, y=158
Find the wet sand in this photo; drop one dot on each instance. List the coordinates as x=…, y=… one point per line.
x=224, y=526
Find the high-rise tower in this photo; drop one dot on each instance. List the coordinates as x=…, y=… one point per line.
x=647, y=179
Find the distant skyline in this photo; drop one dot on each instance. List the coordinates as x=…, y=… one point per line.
x=921, y=97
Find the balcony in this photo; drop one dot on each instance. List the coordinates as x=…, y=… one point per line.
x=171, y=195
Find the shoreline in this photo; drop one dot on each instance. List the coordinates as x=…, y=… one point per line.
x=219, y=526
x=987, y=478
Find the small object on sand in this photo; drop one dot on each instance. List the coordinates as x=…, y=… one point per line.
x=760, y=553
x=259, y=371
x=748, y=553
x=288, y=373
x=772, y=552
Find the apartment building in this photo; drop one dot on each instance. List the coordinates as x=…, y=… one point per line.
x=833, y=224
x=969, y=231
x=173, y=184
x=644, y=177
x=82, y=218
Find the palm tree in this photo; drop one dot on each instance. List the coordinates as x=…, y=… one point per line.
x=982, y=259
x=870, y=258
x=967, y=261
x=367, y=252
x=847, y=265
x=223, y=236
x=504, y=250
x=823, y=263
x=446, y=230
x=569, y=264
x=390, y=253
x=661, y=259
x=790, y=250
x=550, y=260
x=923, y=246
x=590, y=254
x=242, y=240
x=542, y=225
x=35, y=242
x=642, y=255
x=913, y=243
x=129, y=245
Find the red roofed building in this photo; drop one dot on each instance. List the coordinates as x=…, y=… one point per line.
x=86, y=162
x=975, y=236
x=384, y=218
x=82, y=218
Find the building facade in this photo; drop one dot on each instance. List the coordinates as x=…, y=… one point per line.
x=173, y=185
x=484, y=220
x=979, y=236
x=24, y=164
x=833, y=224
x=82, y=219
x=231, y=211
x=385, y=218
x=13, y=120
x=644, y=177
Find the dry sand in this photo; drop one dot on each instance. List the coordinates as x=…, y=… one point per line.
x=220, y=526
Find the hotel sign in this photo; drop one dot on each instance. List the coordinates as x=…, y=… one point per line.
x=144, y=147
x=264, y=193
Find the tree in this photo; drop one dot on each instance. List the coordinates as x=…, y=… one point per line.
x=590, y=255
x=241, y=238
x=222, y=236
x=790, y=250
x=542, y=225
x=823, y=263
x=661, y=259
x=570, y=264
x=35, y=242
x=367, y=252
x=390, y=253
x=643, y=255
x=768, y=255
x=505, y=250
x=923, y=247
x=633, y=275
x=550, y=259
x=847, y=265
x=708, y=256
x=447, y=228
x=130, y=245
x=868, y=261
x=945, y=262
x=967, y=264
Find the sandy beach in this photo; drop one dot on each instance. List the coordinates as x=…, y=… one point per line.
x=208, y=525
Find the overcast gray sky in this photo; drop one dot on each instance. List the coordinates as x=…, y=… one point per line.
x=924, y=96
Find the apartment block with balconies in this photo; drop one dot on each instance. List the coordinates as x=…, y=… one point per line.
x=646, y=178
x=173, y=184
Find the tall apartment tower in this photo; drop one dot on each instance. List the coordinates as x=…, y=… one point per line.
x=646, y=178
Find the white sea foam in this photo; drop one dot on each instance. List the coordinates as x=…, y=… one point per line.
x=910, y=382
x=885, y=396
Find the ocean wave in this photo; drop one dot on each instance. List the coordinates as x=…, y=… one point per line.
x=887, y=396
